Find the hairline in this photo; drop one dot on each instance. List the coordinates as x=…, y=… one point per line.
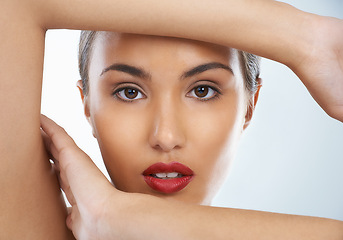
x=243, y=57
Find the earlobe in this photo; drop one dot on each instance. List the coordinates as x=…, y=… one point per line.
x=252, y=104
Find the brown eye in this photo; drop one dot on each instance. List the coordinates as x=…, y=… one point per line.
x=129, y=94
x=204, y=92
x=201, y=91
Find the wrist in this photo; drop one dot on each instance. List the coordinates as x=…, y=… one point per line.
x=311, y=44
x=113, y=219
x=127, y=216
x=140, y=216
x=303, y=44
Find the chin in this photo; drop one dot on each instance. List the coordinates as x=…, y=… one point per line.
x=185, y=197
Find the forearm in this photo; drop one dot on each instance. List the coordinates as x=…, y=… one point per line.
x=267, y=28
x=306, y=43
x=146, y=217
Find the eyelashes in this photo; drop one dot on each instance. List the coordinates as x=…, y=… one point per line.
x=128, y=94
x=204, y=93
x=201, y=92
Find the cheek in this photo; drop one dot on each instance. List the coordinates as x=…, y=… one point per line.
x=215, y=138
x=220, y=124
x=121, y=136
x=216, y=135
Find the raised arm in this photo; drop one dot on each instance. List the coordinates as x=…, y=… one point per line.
x=310, y=45
x=31, y=205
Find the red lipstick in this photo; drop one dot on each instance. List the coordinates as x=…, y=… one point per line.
x=168, y=178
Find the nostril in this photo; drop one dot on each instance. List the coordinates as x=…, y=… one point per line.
x=165, y=147
x=167, y=129
x=166, y=141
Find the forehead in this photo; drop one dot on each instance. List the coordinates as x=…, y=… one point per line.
x=109, y=47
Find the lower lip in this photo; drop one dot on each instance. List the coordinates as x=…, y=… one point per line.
x=168, y=185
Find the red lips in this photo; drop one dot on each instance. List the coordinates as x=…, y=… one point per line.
x=165, y=184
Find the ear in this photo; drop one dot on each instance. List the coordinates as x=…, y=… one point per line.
x=85, y=103
x=83, y=98
x=252, y=104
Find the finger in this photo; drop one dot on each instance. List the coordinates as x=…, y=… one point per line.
x=69, y=222
x=50, y=148
x=69, y=210
x=47, y=144
x=71, y=218
x=68, y=192
x=57, y=173
x=63, y=184
x=74, y=221
x=57, y=134
x=56, y=164
x=79, y=174
x=46, y=141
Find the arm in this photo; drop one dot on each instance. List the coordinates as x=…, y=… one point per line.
x=31, y=205
x=313, y=49
x=100, y=211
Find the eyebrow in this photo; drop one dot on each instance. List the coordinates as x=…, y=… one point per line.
x=139, y=72
x=134, y=71
x=204, y=67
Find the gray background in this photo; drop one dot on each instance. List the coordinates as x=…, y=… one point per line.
x=290, y=159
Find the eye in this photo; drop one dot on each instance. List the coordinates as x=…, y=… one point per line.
x=128, y=94
x=203, y=92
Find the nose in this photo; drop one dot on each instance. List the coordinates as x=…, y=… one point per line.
x=167, y=132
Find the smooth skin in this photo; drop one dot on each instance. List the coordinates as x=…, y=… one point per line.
x=313, y=51
x=166, y=121
x=101, y=212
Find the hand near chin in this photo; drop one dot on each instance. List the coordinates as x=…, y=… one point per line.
x=322, y=69
x=86, y=188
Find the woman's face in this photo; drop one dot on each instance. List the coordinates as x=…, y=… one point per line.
x=167, y=113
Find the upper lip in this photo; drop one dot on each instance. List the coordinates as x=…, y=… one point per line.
x=168, y=168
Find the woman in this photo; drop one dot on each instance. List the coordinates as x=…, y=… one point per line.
x=174, y=100
x=58, y=15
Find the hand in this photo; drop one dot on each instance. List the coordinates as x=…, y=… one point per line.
x=322, y=69
x=86, y=188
